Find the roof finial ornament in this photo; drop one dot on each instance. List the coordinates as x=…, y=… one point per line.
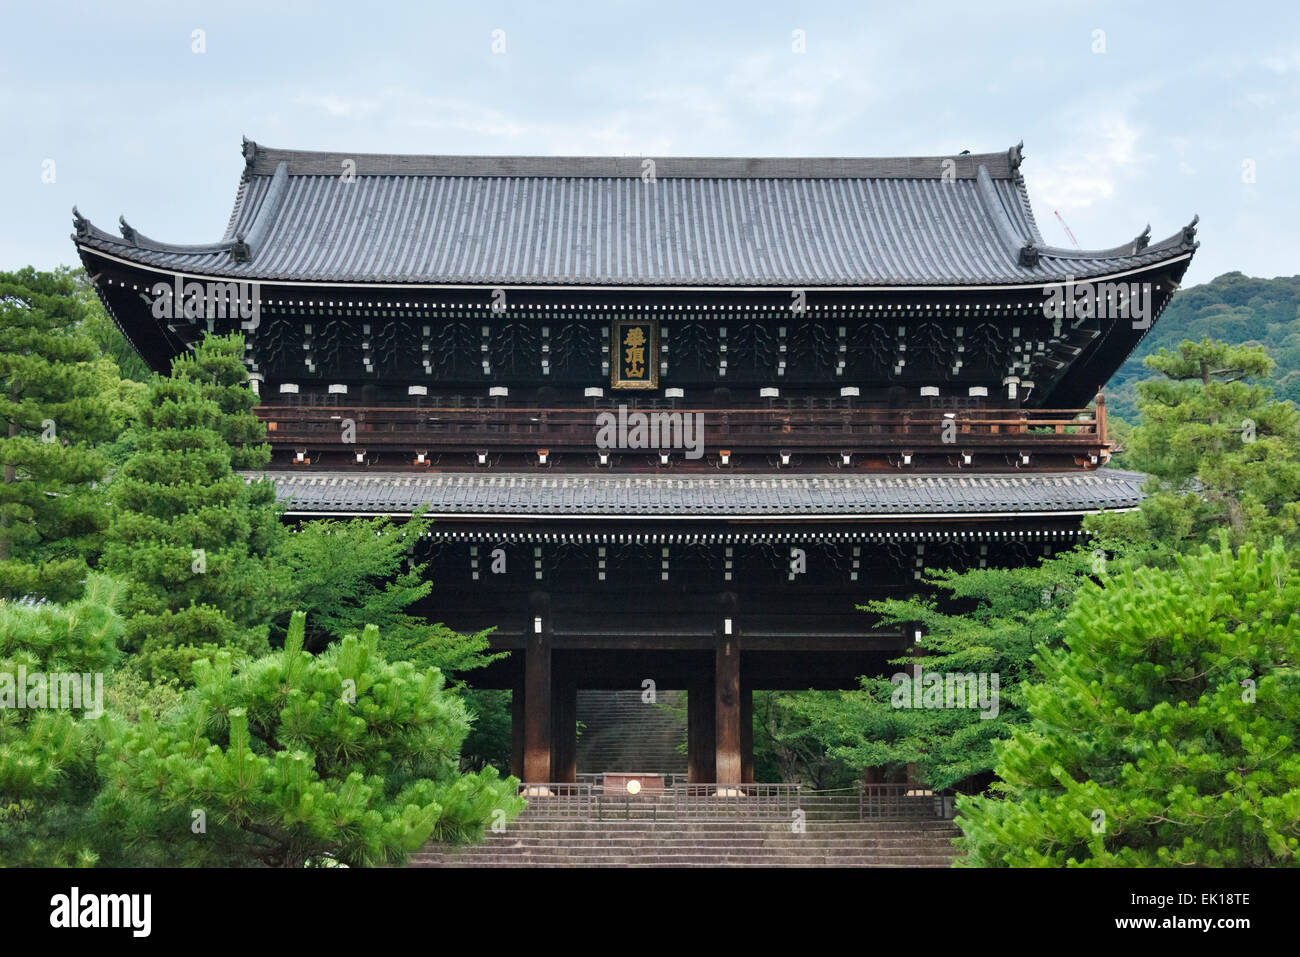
x=1016, y=154
x=80, y=223
x=249, y=149
x=1189, y=231
x=1142, y=240
x=127, y=232
x=1029, y=254
x=239, y=250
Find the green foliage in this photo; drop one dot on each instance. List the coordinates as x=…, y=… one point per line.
x=294, y=760
x=103, y=331
x=988, y=620
x=1164, y=732
x=1238, y=309
x=789, y=744
x=489, y=739
x=1222, y=450
x=58, y=398
x=216, y=366
x=47, y=774
x=192, y=540
x=348, y=574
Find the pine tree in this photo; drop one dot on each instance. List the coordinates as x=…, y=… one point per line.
x=217, y=367
x=347, y=574
x=47, y=772
x=191, y=538
x=1164, y=732
x=1223, y=451
x=294, y=760
x=58, y=398
x=985, y=621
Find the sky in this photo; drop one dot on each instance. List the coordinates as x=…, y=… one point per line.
x=1131, y=113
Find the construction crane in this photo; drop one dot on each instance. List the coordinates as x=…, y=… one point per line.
x=1067, y=228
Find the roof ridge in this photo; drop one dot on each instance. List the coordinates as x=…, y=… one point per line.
x=263, y=161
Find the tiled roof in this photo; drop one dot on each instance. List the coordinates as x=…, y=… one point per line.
x=487, y=221
x=671, y=497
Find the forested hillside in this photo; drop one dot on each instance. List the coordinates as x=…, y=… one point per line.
x=1234, y=308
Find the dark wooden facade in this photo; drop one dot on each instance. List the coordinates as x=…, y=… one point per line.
x=880, y=379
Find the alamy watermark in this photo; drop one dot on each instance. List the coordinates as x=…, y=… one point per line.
x=934, y=689
x=651, y=430
x=62, y=691
x=195, y=300
x=74, y=909
x=1100, y=300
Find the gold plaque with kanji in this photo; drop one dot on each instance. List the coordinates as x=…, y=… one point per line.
x=634, y=354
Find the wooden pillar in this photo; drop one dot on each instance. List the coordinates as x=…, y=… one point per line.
x=914, y=672
x=537, y=693
x=517, y=722
x=564, y=728
x=700, y=732
x=746, y=733
x=726, y=674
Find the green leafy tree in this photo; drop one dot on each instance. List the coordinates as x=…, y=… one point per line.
x=347, y=574
x=791, y=733
x=295, y=759
x=490, y=734
x=59, y=397
x=1222, y=450
x=1164, y=732
x=47, y=771
x=193, y=540
x=104, y=332
x=982, y=621
x=1233, y=308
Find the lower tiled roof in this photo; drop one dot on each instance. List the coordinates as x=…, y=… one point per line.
x=571, y=495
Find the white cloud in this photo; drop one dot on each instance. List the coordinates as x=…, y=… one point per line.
x=1282, y=63
x=1104, y=151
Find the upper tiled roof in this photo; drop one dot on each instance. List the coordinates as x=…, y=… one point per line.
x=595, y=221
x=674, y=497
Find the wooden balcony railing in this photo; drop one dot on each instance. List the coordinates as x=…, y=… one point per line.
x=740, y=429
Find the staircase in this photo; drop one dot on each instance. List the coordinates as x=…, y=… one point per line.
x=830, y=838
x=620, y=732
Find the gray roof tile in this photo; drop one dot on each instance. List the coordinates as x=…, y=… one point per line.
x=457, y=220
x=591, y=496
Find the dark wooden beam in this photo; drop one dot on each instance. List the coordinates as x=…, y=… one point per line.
x=726, y=671
x=564, y=727
x=864, y=642
x=517, y=720
x=746, y=732
x=537, y=697
x=701, y=734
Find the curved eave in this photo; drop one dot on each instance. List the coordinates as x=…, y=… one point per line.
x=1166, y=253
x=582, y=497
x=591, y=223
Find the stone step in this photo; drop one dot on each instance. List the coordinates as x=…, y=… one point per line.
x=705, y=860
x=727, y=827
x=801, y=862
x=533, y=841
x=665, y=833
x=610, y=850
x=747, y=840
x=697, y=861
